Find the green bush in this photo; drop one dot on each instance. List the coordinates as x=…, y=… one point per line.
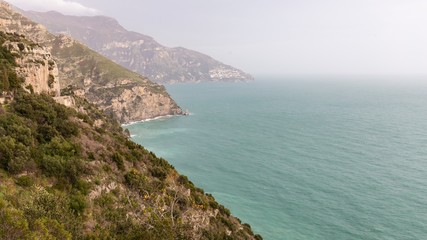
x=45, y=133
x=25, y=181
x=14, y=156
x=135, y=180
x=159, y=173
x=78, y=203
x=42, y=203
x=83, y=186
x=105, y=200
x=45, y=228
x=224, y=210
x=118, y=159
x=13, y=224
x=182, y=179
x=67, y=128
x=17, y=128
x=53, y=165
x=60, y=147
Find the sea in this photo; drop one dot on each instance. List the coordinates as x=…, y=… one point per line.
x=304, y=158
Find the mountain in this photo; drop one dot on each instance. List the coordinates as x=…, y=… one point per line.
x=72, y=173
x=116, y=90
x=138, y=52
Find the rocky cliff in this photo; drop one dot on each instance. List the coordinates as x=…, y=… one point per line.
x=139, y=52
x=35, y=65
x=125, y=94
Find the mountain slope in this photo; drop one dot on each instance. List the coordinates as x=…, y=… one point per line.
x=67, y=174
x=139, y=52
x=127, y=95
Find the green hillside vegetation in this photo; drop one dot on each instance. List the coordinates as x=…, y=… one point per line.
x=103, y=71
x=67, y=174
x=90, y=63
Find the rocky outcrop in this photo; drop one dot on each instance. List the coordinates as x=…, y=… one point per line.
x=116, y=90
x=155, y=104
x=119, y=91
x=139, y=52
x=36, y=66
x=31, y=63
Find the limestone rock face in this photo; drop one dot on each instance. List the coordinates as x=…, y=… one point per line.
x=37, y=67
x=68, y=101
x=154, y=104
x=139, y=52
x=115, y=89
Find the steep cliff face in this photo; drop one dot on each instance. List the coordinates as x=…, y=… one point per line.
x=33, y=63
x=127, y=95
x=139, y=52
x=37, y=67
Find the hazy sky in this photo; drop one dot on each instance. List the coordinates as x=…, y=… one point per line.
x=385, y=37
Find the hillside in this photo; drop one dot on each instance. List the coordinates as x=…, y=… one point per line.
x=115, y=89
x=139, y=52
x=67, y=174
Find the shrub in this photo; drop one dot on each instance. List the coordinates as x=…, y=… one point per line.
x=41, y=203
x=16, y=128
x=78, y=203
x=67, y=128
x=118, y=159
x=13, y=224
x=83, y=186
x=159, y=173
x=53, y=165
x=45, y=228
x=45, y=133
x=224, y=210
x=60, y=147
x=105, y=200
x=14, y=156
x=135, y=180
x=25, y=181
x=182, y=179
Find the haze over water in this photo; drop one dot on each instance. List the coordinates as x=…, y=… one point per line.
x=305, y=159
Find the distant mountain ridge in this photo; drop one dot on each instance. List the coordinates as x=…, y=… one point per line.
x=138, y=52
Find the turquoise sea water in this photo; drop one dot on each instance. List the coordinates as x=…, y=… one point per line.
x=301, y=159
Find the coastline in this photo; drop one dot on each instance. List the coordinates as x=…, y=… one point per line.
x=151, y=119
x=185, y=113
